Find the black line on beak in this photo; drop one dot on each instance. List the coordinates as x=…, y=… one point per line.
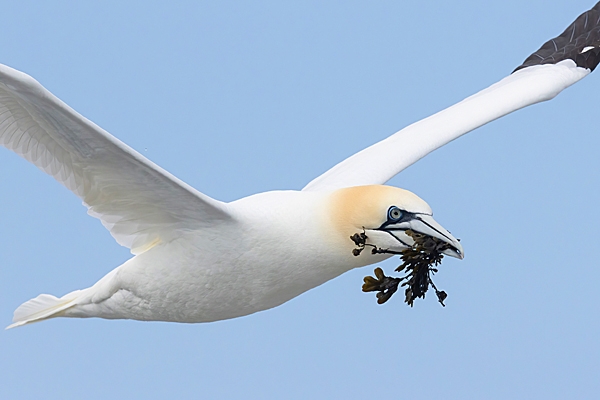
x=450, y=239
x=397, y=238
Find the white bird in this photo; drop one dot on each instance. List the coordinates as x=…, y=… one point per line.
x=197, y=259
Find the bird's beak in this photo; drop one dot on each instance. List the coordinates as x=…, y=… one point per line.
x=426, y=225
x=394, y=237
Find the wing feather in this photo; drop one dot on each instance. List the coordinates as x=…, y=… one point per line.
x=558, y=64
x=137, y=201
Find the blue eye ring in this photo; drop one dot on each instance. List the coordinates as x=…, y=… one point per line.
x=395, y=214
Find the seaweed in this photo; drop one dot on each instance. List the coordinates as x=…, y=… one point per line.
x=419, y=263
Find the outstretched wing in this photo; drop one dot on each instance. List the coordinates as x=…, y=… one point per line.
x=558, y=64
x=137, y=201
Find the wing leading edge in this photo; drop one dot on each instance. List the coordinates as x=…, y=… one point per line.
x=558, y=64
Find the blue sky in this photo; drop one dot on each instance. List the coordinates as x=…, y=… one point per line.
x=237, y=98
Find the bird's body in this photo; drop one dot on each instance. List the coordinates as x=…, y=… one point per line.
x=248, y=264
x=197, y=259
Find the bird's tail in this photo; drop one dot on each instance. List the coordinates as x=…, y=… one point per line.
x=43, y=307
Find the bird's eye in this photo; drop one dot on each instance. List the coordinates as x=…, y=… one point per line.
x=394, y=214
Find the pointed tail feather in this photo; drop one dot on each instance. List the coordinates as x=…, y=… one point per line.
x=43, y=307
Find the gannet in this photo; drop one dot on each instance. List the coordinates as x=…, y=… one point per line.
x=196, y=259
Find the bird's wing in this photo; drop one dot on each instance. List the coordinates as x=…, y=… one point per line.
x=137, y=201
x=558, y=64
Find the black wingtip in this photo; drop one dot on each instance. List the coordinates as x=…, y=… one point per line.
x=580, y=42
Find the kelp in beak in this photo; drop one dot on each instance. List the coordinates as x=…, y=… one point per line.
x=419, y=263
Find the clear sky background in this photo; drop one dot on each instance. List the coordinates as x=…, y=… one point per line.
x=243, y=97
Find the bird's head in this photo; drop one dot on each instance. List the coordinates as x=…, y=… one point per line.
x=384, y=214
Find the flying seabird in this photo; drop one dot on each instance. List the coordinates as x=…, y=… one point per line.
x=197, y=259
